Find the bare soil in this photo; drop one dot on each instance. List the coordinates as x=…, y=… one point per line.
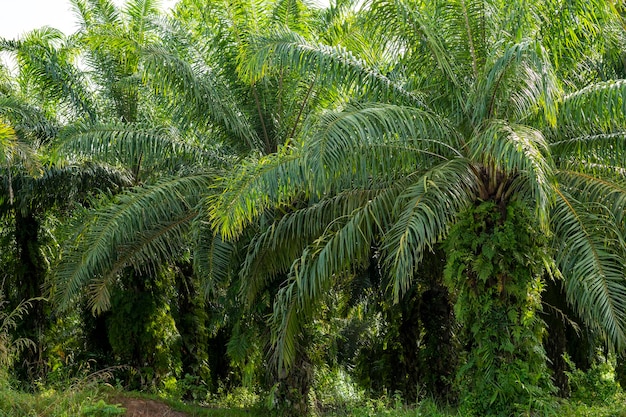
x=139, y=407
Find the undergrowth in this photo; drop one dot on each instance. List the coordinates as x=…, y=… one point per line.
x=595, y=393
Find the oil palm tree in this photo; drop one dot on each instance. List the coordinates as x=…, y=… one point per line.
x=474, y=142
x=207, y=114
x=217, y=107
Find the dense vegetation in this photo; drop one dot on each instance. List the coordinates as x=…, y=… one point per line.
x=372, y=207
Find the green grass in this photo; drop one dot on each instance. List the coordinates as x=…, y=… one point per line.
x=48, y=403
x=99, y=401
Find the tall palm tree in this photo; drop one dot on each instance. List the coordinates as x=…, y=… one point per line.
x=208, y=112
x=474, y=142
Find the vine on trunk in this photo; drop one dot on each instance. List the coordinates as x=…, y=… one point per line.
x=494, y=269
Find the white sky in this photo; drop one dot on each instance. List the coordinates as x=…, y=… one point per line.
x=20, y=16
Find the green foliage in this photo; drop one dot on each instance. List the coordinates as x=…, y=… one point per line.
x=102, y=409
x=71, y=401
x=10, y=346
x=143, y=333
x=595, y=386
x=334, y=390
x=237, y=398
x=495, y=265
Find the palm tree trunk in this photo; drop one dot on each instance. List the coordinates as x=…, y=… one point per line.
x=495, y=269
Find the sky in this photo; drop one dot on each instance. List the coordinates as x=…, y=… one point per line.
x=20, y=16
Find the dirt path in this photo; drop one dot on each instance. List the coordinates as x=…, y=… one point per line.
x=138, y=407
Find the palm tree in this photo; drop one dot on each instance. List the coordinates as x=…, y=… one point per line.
x=208, y=112
x=474, y=142
x=36, y=185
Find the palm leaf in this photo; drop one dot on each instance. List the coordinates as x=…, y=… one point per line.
x=584, y=245
x=332, y=65
x=343, y=248
x=424, y=212
x=140, y=228
x=202, y=90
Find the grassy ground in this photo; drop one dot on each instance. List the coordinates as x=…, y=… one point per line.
x=100, y=401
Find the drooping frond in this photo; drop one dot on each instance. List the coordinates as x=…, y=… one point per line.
x=139, y=228
x=590, y=257
x=255, y=186
x=423, y=214
x=276, y=247
x=31, y=123
x=600, y=107
x=58, y=186
x=609, y=148
x=143, y=149
x=214, y=259
x=344, y=247
x=361, y=141
x=598, y=185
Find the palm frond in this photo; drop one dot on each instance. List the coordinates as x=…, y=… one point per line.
x=141, y=15
x=202, y=91
x=45, y=63
x=409, y=25
x=31, y=123
x=607, y=147
x=517, y=85
x=140, y=148
x=140, y=228
x=256, y=185
x=600, y=107
x=59, y=186
x=344, y=247
x=423, y=214
x=277, y=246
x=332, y=65
x=377, y=139
x=585, y=245
x=213, y=257
x=600, y=185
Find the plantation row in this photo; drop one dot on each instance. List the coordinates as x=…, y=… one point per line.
x=306, y=207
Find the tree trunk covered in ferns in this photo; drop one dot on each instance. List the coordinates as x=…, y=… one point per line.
x=29, y=279
x=494, y=268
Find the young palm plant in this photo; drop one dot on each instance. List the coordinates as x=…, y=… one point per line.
x=474, y=142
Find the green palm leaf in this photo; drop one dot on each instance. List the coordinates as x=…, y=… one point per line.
x=424, y=212
x=590, y=256
x=140, y=228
